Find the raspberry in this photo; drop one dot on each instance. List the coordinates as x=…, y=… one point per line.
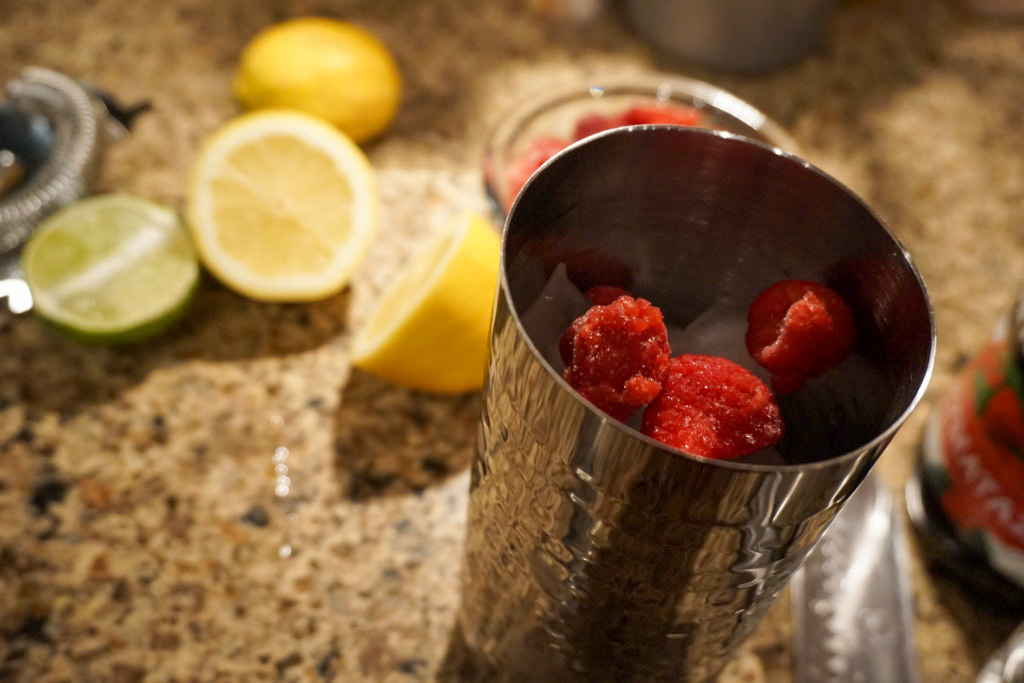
x=798, y=329
x=617, y=355
x=713, y=407
x=565, y=344
x=539, y=151
x=678, y=116
x=603, y=295
x=591, y=124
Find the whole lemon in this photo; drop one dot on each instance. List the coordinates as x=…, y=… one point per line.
x=331, y=69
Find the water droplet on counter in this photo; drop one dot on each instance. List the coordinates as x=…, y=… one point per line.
x=282, y=482
x=285, y=551
x=836, y=666
x=873, y=620
x=821, y=607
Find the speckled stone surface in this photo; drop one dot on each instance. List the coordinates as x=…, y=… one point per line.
x=141, y=535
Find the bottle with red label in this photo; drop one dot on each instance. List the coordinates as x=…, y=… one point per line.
x=967, y=498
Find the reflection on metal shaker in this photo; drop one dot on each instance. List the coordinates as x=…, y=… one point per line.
x=595, y=553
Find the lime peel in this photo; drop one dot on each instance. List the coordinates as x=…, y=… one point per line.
x=111, y=269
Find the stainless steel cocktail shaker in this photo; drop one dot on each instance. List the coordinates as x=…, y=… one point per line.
x=731, y=34
x=595, y=553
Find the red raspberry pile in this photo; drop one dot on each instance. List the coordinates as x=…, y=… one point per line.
x=546, y=146
x=617, y=356
x=539, y=151
x=592, y=124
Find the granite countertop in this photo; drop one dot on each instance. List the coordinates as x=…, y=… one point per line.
x=141, y=534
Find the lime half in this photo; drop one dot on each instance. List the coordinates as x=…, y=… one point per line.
x=111, y=269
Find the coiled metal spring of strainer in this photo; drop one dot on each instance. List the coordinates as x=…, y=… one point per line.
x=72, y=161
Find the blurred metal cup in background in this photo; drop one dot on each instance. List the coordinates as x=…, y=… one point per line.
x=744, y=35
x=596, y=553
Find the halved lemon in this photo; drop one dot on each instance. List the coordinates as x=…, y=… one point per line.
x=429, y=330
x=332, y=69
x=283, y=206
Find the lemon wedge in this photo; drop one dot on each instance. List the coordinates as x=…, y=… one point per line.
x=429, y=330
x=282, y=206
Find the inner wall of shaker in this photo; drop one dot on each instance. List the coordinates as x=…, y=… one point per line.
x=699, y=224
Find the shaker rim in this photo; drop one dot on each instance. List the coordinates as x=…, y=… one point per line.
x=879, y=440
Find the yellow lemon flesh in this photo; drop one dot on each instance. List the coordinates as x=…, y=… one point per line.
x=429, y=330
x=282, y=206
x=331, y=69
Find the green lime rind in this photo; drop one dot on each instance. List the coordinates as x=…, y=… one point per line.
x=112, y=269
x=129, y=336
